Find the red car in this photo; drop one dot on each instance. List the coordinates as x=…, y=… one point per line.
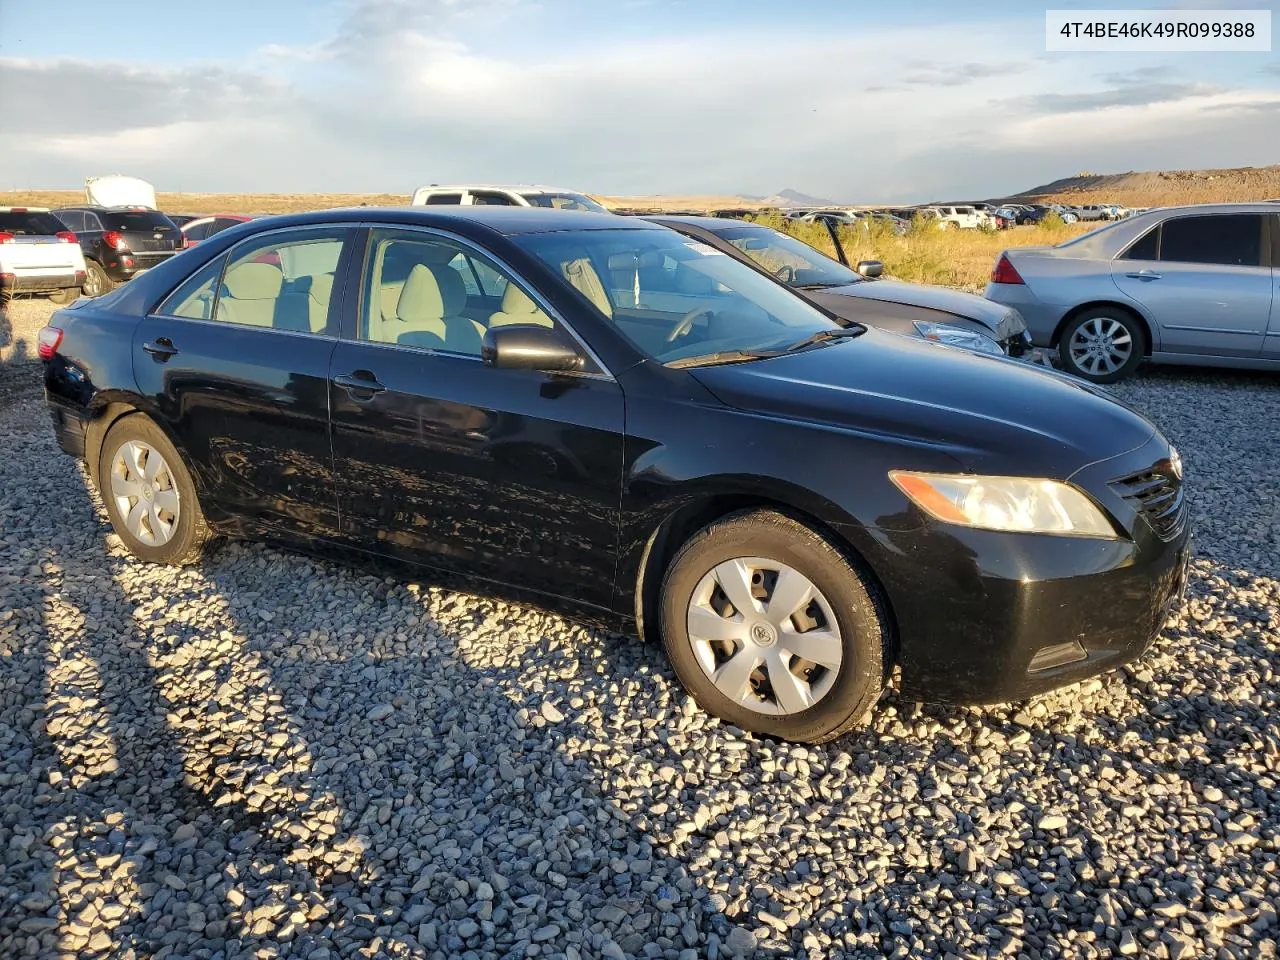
x=205, y=227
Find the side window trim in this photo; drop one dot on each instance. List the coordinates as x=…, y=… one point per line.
x=364, y=263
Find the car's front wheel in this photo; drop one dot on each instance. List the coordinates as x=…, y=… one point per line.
x=1102, y=345
x=149, y=494
x=770, y=627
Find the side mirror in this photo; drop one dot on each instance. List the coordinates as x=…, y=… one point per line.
x=870, y=268
x=527, y=346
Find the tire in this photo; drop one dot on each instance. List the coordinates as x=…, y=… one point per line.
x=64, y=296
x=831, y=699
x=1103, y=366
x=96, y=281
x=179, y=542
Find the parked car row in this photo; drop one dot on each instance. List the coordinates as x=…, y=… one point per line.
x=667, y=428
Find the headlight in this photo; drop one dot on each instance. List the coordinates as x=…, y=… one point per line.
x=1013, y=504
x=957, y=337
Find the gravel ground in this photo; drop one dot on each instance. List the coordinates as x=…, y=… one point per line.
x=274, y=756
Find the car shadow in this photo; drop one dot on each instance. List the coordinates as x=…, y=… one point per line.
x=215, y=746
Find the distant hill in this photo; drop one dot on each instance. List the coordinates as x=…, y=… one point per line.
x=794, y=198
x=1163, y=187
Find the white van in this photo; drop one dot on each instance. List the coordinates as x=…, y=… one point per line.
x=488, y=194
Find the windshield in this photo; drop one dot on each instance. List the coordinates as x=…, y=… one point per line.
x=37, y=224
x=794, y=263
x=564, y=201
x=141, y=222
x=674, y=298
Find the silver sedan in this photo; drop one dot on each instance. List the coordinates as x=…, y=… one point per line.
x=1193, y=285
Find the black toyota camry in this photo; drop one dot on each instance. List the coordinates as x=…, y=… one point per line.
x=607, y=417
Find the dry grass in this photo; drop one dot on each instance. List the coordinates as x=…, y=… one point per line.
x=954, y=258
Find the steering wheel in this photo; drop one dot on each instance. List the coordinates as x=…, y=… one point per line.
x=786, y=273
x=686, y=323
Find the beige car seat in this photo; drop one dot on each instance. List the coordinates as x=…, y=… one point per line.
x=584, y=278
x=249, y=295
x=518, y=307
x=428, y=313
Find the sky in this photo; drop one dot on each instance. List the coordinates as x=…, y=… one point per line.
x=842, y=99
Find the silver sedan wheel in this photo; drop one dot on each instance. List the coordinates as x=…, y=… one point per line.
x=1101, y=346
x=765, y=635
x=145, y=493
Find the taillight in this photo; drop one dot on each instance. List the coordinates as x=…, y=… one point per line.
x=114, y=240
x=66, y=236
x=6, y=238
x=1005, y=272
x=47, y=342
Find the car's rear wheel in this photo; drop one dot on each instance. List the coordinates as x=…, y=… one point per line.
x=149, y=494
x=96, y=281
x=66, y=295
x=1103, y=345
x=771, y=628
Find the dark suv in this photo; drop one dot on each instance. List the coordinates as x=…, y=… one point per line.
x=120, y=242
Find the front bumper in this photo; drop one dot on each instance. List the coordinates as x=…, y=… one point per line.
x=986, y=617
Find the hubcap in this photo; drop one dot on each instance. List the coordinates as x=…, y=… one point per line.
x=765, y=635
x=145, y=493
x=1101, y=346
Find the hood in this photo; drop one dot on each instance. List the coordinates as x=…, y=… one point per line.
x=990, y=414
x=978, y=309
x=119, y=191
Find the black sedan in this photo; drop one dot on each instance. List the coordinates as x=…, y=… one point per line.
x=608, y=418
x=914, y=309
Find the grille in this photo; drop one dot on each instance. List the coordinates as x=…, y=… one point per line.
x=1157, y=494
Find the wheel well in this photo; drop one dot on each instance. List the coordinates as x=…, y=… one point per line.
x=1110, y=304
x=97, y=432
x=675, y=531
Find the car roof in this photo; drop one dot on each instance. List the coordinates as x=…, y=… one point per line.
x=514, y=187
x=509, y=221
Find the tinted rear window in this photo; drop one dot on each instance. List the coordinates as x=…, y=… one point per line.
x=1226, y=239
x=30, y=224
x=140, y=221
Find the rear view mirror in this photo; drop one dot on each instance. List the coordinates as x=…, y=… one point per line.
x=521, y=346
x=870, y=268
x=754, y=243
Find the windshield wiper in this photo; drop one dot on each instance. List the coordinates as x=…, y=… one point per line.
x=825, y=284
x=822, y=336
x=724, y=356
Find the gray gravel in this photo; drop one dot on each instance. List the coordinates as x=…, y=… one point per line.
x=274, y=756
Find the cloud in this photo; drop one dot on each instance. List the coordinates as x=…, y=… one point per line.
x=407, y=93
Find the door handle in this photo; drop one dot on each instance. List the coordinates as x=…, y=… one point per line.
x=1143, y=275
x=161, y=348
x=360, y=382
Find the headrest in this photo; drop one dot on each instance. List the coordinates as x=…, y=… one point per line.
x=453, y=290
x=254, y=281
x=420, y=300
x=652, y=258
x=515, y=300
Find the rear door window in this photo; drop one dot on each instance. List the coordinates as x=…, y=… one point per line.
x=73, y=219
x=444, y=199
x=199, y=231
x=491, y=198
x=1224, y=239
